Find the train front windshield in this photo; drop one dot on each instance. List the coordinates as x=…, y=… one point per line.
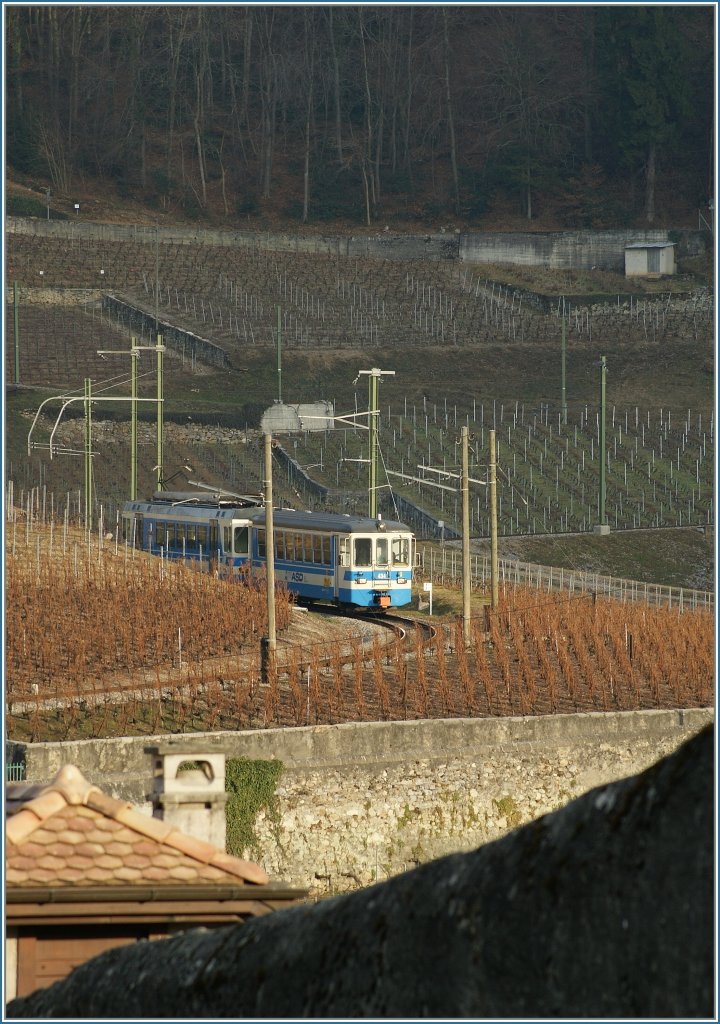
x=381, y=551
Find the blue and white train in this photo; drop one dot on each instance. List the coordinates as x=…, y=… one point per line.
x=345, y=560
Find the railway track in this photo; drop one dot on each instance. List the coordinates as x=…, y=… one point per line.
x=400, y=624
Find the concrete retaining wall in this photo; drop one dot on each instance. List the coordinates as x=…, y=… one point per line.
x=360, y=802
x=178, y=235
x=558, y=249
x=565, y=250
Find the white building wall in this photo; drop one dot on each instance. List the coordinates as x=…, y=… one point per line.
x=11, y=964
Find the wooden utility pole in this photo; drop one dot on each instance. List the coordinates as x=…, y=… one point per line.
x=134, y=356
x=279, y=353
x=563, y=395
x=493, y=524
x=601, y=446
x=16, y=304
x=160, y=349
x=268, y=644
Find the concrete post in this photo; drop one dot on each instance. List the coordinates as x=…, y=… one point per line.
x=465, y=488
x=603, y=526
x=493, y=524
x=270, y=642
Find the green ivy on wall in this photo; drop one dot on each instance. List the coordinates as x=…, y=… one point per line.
x=251, y=785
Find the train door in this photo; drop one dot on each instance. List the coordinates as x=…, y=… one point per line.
x=341, y=558
x=213, y=545
x=136, y=530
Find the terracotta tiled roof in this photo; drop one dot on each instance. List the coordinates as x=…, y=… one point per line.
x=71, y=834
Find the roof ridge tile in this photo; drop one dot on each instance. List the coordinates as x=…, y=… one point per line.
x=192, y=846
x=72, y=784
x=236, y=866
x=20, y=825
x=146, y=825
x=96, y=800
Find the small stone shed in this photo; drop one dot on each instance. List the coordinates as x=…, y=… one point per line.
x=649, y=259
x=86, y=872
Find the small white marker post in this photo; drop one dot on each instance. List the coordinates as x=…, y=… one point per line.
x=427, y=587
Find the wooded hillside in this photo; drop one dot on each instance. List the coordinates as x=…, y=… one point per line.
x=602, y=114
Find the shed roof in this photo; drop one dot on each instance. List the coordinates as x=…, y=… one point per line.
x=649, y=245
x=68, y=834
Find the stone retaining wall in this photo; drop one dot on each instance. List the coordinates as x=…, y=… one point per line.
x=183, y=342
x=360, y=802
x=53, y=296
x=424, y=524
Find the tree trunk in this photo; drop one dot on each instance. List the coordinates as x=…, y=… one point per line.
x=650, y=185
x=336, y=89
x=367, y=156
x=201, y=160
x=588, y=81
x=200, y=97
x=176, y=43
x=310, y=66
x=366, y=189
x=408, y=99
x=451, y=122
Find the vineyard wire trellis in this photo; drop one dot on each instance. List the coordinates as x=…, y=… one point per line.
x=446, y=567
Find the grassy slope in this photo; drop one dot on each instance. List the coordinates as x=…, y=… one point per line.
x=678, y=557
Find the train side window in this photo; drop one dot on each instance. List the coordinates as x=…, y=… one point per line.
x=241, y=540
x=261, y=543
x=363, y=551
x=401, y=551
x=344, y=551
x=298, y=547
x=289, y=547
x=191, y=535
x=317, y=549
x=326, y=551
x=179, y=536
x=202, y=537
x=381, y=551
x=280, y=544
x=160, y=534
x=226, y=539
